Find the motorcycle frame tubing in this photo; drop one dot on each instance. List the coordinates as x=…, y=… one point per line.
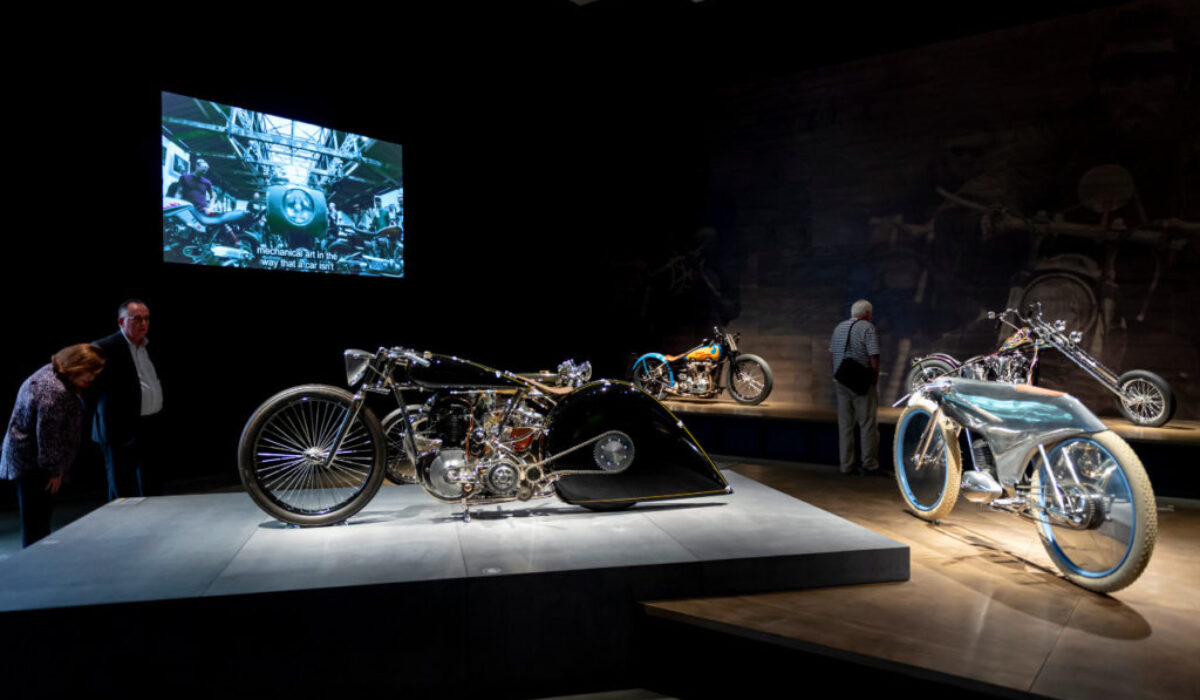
x=382, y=384
x=1086, y=362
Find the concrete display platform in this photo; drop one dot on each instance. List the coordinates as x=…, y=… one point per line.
x=157, y=579
x=222, y=544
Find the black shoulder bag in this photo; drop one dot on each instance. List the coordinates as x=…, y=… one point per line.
x=851, y=373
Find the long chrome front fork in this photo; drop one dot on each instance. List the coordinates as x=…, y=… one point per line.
x=343, y=429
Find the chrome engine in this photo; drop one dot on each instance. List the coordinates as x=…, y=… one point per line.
x=484, y=448
x=574, y=374
x=1010, y=367
x=697, y=378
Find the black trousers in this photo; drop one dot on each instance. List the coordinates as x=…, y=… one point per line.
x=36, y=504
x=133, y=466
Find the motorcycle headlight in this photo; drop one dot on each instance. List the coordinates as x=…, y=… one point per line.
x=298, y=207
x=357, y=364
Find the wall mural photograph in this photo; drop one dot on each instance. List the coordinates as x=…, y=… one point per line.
x=253, y=190
x=948, y=181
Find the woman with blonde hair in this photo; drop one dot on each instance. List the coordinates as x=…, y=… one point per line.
x=44, y=433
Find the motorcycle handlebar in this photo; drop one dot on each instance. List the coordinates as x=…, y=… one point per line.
x=397, y=353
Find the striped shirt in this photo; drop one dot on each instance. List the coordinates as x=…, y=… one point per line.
x=863, y=343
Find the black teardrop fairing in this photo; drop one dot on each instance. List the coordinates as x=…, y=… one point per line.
x=447, y=372
x=667, y=463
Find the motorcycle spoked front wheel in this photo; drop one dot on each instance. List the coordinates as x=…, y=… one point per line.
x=650, y=376
x=929, y=488
x=1145, y=398
x=1111, y=505
x=750, y=379
x=283, y=448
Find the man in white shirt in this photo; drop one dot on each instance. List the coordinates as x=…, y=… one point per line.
x=128, y=405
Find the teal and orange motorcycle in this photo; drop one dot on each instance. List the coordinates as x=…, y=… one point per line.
x=705, y=371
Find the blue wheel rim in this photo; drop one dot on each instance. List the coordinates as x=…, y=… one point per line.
x=1098, y=552
x=931, y=489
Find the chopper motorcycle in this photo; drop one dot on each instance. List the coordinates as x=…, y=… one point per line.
x=1143, y=397
x=698, y=372
x=1036, y=453
x=316, y=454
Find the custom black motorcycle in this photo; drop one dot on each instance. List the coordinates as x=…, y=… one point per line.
x=698, y=372
x=316, y=454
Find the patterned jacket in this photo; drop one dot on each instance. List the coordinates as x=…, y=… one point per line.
x=44, y=430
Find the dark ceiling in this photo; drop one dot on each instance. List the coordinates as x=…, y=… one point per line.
x=754, y=38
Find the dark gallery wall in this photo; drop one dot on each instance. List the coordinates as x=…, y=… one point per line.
x=579, y=182
x=527, y=168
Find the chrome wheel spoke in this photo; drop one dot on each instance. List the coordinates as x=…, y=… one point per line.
x=292, y=449
x=1144, y=399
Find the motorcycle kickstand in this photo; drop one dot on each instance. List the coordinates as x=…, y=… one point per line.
x=466, y=514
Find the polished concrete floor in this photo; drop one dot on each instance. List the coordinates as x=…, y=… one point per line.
x=1180, y=432
x=983, y=602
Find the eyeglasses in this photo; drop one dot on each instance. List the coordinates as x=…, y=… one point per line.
x=138, y=319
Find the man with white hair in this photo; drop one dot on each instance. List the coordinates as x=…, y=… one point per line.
x=854, y=340
x=128, y=401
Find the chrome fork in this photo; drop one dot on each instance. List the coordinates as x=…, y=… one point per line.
x=927, y=438
x=343, y=429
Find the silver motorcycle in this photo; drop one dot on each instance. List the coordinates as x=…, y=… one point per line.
x=1036, y=453
x=1143, y=397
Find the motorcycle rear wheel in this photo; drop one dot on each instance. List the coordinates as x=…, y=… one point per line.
x=651, y=377
x=1114, y=550
x=927, y=370
x=401, y=467
x=1146, y=398
x=929, y=490
x=749, y=379
x=283, y=445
